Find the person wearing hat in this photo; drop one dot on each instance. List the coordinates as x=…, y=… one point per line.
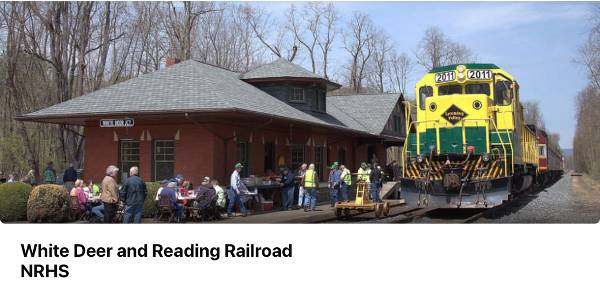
x=237, y=187
x=363, y=173
x=287, y=189
x=345, y=182
x=375, y=178
x=310, y=181
x=110, y=193
x=163, y=185
x=334, y=183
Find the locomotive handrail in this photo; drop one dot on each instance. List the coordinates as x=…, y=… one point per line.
x=418, y=141
x=407, y=132
x=512, y=153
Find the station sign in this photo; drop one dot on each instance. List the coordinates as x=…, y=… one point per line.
x=117, y=123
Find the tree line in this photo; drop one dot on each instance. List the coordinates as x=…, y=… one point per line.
x=586, y=151
x=51, y=52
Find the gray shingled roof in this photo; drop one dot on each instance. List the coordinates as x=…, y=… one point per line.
x=187, y=86
x=194, y=86
x=363, y=111
x=280, y=68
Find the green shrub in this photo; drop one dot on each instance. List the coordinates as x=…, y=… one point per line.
x=13, y=201
x=149, y=205
x=48, y=203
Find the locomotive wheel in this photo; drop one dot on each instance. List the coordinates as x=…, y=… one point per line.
x=386, y=208
x=378, y=210
x=346, y=212
x=338, y=212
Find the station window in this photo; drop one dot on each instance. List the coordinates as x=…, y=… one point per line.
x=424, y=92
x=242, y=156
x=297, y=95
x=164, y=159
x=129, y=156
x=296, y=156
x=502, y=93
x=477, y=89
x=320, y=101
x=449, y=89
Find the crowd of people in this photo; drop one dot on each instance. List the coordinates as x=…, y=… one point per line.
x=103, y=202
x=339, y=183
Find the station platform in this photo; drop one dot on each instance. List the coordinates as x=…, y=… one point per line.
x=323, y=213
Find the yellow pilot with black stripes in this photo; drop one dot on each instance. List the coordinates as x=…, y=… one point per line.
x=469, y=145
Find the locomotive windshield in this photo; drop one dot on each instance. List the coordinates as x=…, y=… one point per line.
x=477, y=89
x=449, y=89
x=424, y=92
x=502, y=93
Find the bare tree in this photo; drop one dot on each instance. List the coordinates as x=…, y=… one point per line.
x=436, y=49
x=180, y=24
x=382, y=47
x=262, y=24
x=400, y=67
x=359, y=43
x=533, y=114
x=305, y=24
x=586, y=152
x=327, y=35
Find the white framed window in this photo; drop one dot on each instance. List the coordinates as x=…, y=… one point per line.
x=129, y=156
x=163, y=159
x=297, y=95
x=542, y=150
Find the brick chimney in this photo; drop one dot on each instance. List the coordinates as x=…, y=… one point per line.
x=172, y=61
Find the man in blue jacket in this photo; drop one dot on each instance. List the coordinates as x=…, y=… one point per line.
x=133, y=193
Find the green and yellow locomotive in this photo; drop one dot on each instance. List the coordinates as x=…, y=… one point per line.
x=468, y=145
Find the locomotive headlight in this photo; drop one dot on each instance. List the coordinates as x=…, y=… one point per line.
x=486, y=157
x=460, y=69
x=419, y=158
x=461, y=76
x=432, y=106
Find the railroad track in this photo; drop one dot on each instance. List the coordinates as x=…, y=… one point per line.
x=410, y=214
x=397, y=214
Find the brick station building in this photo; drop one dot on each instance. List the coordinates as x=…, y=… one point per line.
x=199, y=120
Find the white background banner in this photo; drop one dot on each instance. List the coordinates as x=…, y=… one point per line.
x=321, y=253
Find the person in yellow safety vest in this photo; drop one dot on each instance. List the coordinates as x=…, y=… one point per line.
x=310, y=182
x=346, y=182
x=363, y=173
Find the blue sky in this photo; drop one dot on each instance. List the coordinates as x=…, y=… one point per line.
x=535, y=41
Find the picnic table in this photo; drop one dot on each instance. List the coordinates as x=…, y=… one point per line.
x=188, y=197
x=268, y=193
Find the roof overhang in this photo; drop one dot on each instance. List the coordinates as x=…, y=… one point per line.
x=329, y=84
x=171, y=116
